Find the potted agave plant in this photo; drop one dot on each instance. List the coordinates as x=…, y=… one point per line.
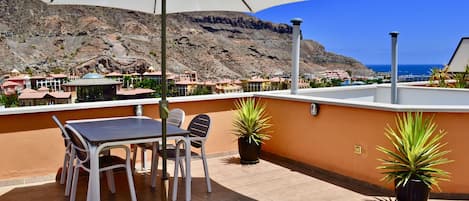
x=250, y=126
x=417, y=150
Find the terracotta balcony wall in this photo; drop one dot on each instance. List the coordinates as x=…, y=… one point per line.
x=31, y=144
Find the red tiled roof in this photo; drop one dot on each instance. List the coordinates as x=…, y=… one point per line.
x=37, y=77
x=277, y=79
x=113, y=74
x=257, y=79
x=35, y=95
x=157, y=73
x=152, y=73
x=9, y=83
x=131, y=92
x=28, y=91
x=16, y=78
x=41, y=95
x=230, y=87
x=186, y=82
x=209, y=83
x=61, y=94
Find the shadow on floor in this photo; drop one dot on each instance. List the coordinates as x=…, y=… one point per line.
x=55, y=192
x=379, y=193
x=331, y=177
x=232, y=160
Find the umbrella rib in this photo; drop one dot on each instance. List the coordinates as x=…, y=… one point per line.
x=154, y=7
x=247, y=5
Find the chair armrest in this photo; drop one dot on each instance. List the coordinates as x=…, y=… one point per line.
x=180, y=143
x=198, y=138
x=126, y=148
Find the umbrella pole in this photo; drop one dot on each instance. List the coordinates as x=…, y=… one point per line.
x=164, y=104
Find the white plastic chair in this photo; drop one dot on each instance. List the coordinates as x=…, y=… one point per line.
x=67, y=167
x=199, y=128
x=107, y=163
x=176, y=118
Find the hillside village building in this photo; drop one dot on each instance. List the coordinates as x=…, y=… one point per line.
x=46, y=90
x=125, y=94
x=30, y=97
x=92, y=87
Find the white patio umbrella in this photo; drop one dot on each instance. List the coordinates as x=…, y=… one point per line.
x=161, y=7
x=178, y=6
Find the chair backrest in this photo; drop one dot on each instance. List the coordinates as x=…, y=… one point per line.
x=176, y=117
x=199, y=127
x=78, y=144
x=62, y=129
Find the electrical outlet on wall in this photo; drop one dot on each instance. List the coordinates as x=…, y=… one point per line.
x=357, y=149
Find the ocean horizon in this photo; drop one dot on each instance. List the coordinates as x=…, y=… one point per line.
x=405, y=69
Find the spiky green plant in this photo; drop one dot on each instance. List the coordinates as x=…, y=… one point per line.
x=251, y=121
x=461, y=78
x=417, y=151
x=442, y=75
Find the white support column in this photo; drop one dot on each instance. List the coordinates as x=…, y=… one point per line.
x=394, y=75
x=296, y=39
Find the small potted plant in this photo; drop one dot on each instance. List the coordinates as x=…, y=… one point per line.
x=250, y=126
x=417, y=150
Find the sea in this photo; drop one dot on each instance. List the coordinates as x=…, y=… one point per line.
x=406, y=69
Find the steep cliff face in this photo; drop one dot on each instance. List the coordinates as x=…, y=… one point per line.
x=40, y=38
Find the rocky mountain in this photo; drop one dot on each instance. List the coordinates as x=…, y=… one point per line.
x=38, y=38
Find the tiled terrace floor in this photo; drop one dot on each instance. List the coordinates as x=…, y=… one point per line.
x=230, y=182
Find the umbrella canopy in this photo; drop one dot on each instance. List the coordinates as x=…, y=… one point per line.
x=178, y=6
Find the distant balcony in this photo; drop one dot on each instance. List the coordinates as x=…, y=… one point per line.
x=308, y=158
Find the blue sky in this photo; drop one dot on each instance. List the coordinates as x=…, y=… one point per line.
x=429, y=29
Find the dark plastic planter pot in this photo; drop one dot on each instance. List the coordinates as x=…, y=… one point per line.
x=414, y=190
x=249, y=152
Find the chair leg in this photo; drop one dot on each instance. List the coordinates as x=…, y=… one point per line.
x=154, y=165
x=64, y=167
x=69, y=174
x=134, y=156
x=110, y=181
x=130, y=180
x=181, y=166
x=76, y=173
x=175, y=179
x=142, y=158
x=207, y=177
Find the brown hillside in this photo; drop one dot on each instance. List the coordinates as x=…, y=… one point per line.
x=40, y=38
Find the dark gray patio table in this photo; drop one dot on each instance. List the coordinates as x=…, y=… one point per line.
x=105, y=132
